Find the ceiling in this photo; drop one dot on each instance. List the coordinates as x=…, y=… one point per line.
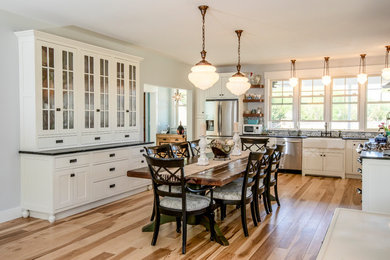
x=274, y=30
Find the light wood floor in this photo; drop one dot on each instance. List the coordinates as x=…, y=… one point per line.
x=293, y=231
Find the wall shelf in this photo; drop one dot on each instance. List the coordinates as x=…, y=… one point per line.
x=253, y=100
x=253, y=115
x=257, y=86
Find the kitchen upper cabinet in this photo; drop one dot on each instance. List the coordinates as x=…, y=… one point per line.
x=72, y=93
x=219, y=90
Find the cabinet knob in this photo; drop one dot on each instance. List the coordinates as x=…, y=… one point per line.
x=127, y=111
x=142, y=161
x=58, y=109
x=141, y=151
x=72, y=175
x=97, y=110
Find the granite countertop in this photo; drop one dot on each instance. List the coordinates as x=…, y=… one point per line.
x=303, y=136
x=85, y=148
x=374, y=155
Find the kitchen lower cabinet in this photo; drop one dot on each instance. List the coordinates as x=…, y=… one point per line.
x=351, y=158
x=56, y=186
x=323, y=157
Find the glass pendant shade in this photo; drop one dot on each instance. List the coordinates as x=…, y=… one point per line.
x=326, y=80
x=293, y=82
x=386, y=70
x=203, y=76
x=238, y=84
x=362, y=76
x=386, y=73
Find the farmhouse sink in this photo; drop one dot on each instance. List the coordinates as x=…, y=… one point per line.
x=322, y=142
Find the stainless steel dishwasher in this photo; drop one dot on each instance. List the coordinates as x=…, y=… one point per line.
x=292, y=159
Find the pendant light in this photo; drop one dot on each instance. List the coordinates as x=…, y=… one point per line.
x=293, y=80
x=326, y=79
x=386, y=70
x=362, y=76
x=203, y=74
x=238, y=84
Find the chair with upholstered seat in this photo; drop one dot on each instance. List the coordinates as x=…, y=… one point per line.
x=173, y=197
x=241, y=195
x=195, y=149
x=253, y=144
x=273, y=175
x=181, y=150
x=160, y=151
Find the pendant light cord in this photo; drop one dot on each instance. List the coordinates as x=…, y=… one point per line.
x=203, y=9
x=292, y=70
x=387, y=56
x=326, y=67
x=362, y=65
x=239, y=32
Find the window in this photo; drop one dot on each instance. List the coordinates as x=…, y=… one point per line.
x=281, y=104
x=345, y=104
x=378, y=102
x=181, y=107
x=312, y=104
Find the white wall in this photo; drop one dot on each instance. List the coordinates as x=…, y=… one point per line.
x=156, y=69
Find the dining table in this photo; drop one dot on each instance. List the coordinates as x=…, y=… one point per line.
x=217, y=173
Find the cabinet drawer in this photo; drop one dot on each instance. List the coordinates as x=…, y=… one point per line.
x=137, y=152
x=126, y=137
x=109, y=170
x=72, y=161
x=110, y=155
x=57, y=142
x=136, y=163
x=114, y=186
x=96, y=138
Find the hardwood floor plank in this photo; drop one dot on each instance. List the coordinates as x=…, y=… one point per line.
x=293, y=231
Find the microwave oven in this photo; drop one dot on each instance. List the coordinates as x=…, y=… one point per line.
x=252, y=129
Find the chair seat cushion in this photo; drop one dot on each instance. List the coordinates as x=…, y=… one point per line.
x=174, y=189
x=194, y=202
x=231, y=191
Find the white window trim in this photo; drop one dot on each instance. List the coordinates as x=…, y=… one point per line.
x=317, y=73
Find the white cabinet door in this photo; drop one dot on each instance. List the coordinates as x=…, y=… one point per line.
x=214, y=91
x=312, y=160
x=63, y=189
x=334, y=162
x=80, y=185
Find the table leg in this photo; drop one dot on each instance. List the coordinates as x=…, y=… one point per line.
x=192, y=220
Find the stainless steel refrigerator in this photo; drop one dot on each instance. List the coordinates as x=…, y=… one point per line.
x=220, y=115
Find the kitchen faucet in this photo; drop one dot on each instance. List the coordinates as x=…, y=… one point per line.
x=326, y=133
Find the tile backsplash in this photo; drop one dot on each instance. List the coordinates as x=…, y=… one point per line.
x=318, y=133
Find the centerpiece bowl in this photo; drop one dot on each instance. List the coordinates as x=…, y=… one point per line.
x=222, y=148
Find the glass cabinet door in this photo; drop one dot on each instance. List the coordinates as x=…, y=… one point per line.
x=48, y=88
x=104, y=93
x=89, y=92
x=132, y=96
x=67, y=90
x=120, y=95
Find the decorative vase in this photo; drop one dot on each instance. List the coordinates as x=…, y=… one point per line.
x=180, y=129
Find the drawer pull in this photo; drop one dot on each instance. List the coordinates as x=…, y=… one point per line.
x=164, y=139
x=112, y=155
x=142, y=150
x=127, y=136
x=112, y=186
x=97, y=138
x=176, y=140
x=359, y=160
x=359, y=191
x=58, y=109
x=359, y=171
x=112, y=169
x=97, y=110
x=142, y=161
x=127, y=111
x=73, y=161
x=59, y=141
x=72, y=175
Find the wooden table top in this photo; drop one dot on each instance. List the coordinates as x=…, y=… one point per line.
x=216, y=176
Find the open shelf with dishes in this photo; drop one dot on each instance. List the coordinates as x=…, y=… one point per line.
x=253, y=115
x=259, y=100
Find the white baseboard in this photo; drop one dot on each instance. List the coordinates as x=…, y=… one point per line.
x=10, y=214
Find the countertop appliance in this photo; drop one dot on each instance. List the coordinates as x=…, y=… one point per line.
x=252, y=129
x=292, y=159
x=220, y=115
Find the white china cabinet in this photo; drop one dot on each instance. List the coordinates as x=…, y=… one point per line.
x=73, y=94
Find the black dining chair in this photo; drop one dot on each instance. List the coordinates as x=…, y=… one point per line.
x=180, y=202
x=181, y=150
x=241, y=195
x=253, y=144
x=273, y=175
x=263, y=181
x=195, y=148
x=160, y=151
